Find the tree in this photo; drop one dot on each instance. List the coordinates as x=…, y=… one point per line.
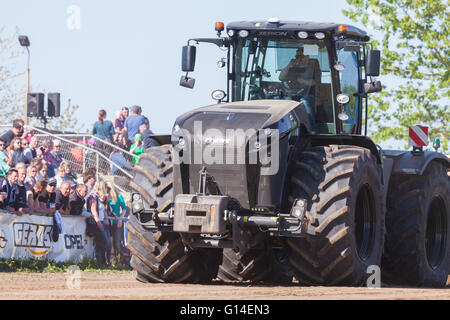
x=12, y=98
x=415, y=51
x=12, y=95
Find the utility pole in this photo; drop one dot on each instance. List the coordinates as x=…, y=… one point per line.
x=25, y=42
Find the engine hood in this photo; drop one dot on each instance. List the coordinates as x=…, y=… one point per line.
x=243, y=115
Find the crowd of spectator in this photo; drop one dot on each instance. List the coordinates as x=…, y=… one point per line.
x=130, y=131
x=35, y=179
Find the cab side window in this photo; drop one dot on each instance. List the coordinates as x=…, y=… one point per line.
x=349, y=83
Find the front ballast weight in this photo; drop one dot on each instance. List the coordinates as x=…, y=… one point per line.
x=207, y=215
x=212, y=220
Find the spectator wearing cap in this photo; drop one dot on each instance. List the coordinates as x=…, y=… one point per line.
x=103, y=128
x=48, y=196
x=15, y=131
x=62, y=198
x=137, y=148
x=132, y=123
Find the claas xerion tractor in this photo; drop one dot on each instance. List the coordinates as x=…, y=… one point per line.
x=279, y=181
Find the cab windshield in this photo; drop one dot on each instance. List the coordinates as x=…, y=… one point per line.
x=287, y=69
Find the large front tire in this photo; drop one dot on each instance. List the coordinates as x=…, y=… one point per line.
x=160, y=256
x=342, y=186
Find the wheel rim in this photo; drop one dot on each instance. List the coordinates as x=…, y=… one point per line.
x=364, y=222
x=436, y=235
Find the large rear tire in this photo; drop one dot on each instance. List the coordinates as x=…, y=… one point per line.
x=342, y=186
x=417, y=248
x=159, y=256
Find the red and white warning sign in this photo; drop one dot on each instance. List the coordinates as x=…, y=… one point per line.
x=418, y=136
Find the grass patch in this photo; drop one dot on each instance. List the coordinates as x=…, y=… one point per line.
x=40, y=266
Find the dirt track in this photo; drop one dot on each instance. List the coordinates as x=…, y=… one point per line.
x=90, y=285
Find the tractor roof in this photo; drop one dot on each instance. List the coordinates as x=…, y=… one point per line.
x=274, y=24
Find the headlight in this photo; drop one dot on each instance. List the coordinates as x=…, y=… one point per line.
x=137, y=204
x=243, y=33
x=302, y=34
x=218, y=95
x=320, y=35
x=177, y=134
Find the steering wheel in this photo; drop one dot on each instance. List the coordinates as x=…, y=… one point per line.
x=293, y=87
x=290, y=85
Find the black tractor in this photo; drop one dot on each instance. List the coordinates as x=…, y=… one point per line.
x=277, y=182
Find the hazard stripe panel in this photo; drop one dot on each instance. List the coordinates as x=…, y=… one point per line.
x=418, y=136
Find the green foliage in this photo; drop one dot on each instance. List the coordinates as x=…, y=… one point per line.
x=415, y=50
x=33, y=265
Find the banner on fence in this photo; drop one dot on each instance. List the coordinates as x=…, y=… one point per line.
x=29, y=237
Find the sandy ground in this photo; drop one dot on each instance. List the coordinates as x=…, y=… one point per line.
x=107, y=285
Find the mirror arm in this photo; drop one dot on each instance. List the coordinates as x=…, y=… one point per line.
x=220, y=42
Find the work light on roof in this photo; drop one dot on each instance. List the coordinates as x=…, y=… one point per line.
x=302, y=34
x=319, y=35
x=231, y=33
x=243, y=33
x=273, y=20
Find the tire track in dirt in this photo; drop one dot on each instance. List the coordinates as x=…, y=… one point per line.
x=107, y=285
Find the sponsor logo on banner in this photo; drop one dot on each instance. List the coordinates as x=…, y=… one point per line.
x=74, y=241
x=3, y=240
x=35, y=237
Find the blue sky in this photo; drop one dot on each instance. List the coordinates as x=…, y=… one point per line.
x=129, y=52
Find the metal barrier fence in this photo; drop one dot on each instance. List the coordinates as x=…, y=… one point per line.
x=82, y=151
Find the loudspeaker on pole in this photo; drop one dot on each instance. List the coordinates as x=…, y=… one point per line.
x=35, y=103
x=54, y=104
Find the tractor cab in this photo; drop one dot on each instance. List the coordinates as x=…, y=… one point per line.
x=324, y=66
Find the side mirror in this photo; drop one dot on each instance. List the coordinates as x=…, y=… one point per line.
x=188, y=58
x=373, y=63
x=187, y=82
x=372, y=87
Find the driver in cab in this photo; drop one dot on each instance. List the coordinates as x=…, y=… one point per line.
x=301, y=77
